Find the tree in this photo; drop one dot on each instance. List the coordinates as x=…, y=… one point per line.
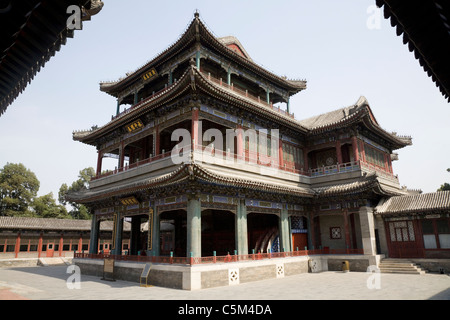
x=46, y=207
x=78, y=211
x=445, y=186
x=18, y=187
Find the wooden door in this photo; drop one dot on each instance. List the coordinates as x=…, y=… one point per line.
x=300, y=241
x=50, y=249
x=403, y=240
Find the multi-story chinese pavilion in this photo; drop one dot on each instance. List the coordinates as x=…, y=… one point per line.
x=209, y=149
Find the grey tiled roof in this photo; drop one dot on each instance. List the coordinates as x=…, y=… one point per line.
x=419, y=203
x=335, y=116
x=27, y=223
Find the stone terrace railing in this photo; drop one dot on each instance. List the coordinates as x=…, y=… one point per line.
x=217, y=259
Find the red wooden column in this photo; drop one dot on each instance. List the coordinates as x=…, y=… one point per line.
x=305, y=159
x=80, y=243
x=280, y=153
x=363, y=151
x=338, y=152
x=355, y=148
x=61, y=242
x=17, y=247
x=386, y=165
x=194, y=131
x=240, y=142
x=40, y=245
x=99, y=162
x=121, y=155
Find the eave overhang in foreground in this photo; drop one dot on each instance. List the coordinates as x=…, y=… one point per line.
x=197, y=32
x=425, y=28
x=32, y=32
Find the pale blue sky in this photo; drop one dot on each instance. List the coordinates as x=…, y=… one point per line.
x=327, y=43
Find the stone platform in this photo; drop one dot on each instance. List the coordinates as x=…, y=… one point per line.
x=202, y=276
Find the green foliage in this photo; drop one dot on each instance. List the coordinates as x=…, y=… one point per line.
x=78, y=211
x=46, y=207
x=18, y=195
x=444, y=187
x=18, y=188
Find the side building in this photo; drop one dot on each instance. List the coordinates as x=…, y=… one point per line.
x=24, y=237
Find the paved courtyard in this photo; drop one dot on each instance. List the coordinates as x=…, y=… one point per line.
x=53, y=282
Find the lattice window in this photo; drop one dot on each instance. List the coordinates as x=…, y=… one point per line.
x=233, y=276
x=335, y=233
x=402, y=231
x=280, y=270
x=412, y=236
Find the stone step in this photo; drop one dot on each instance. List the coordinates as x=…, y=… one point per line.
x=53, y=262
x=399, y=266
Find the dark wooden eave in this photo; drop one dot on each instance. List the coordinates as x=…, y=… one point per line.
x=32, y=32
x=425, y=27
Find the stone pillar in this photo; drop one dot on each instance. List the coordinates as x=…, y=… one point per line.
x=380, y=226
x=194, y=227
x=93, y=242
x=241, y=228
x=229, y=77
x=117, y=235
x=285, y=230
x=118, y=107
x=367, y=230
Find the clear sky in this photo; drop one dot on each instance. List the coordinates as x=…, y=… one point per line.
x=328, y=43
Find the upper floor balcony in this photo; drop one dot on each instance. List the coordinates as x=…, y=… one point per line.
x=248, y=164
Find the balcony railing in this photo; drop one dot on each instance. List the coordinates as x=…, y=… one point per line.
x=218, y=259
x=337, y=168
x=261, y=160
x=252, y=158
x=132, y=166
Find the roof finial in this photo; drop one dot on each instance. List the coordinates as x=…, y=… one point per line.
x=196, y=14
